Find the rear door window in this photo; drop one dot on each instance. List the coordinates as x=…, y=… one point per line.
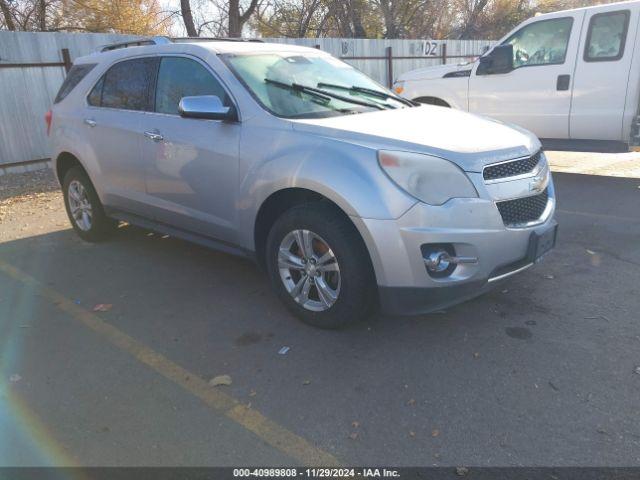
x=183, y=77
x=606, y=36
x=127, y=85
x=73, y=78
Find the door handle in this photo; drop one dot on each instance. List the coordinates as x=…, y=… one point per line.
x=563, y=82
x=156, y=137
x=90, y=122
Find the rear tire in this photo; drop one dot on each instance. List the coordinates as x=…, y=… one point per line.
x=84, y=208
x=320, y=267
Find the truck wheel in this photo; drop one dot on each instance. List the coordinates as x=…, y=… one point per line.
x=319, y=266
x=432, y=101
x=84, y=208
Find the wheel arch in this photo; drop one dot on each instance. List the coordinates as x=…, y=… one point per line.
x=284, y=199
x=432, y=100
x=65, y=161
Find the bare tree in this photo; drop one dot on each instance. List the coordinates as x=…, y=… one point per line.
x=237, y=18
x=187, y=18
x=7, y=15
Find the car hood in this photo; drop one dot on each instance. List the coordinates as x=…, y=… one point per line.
x=438, y=71
x=468, y=140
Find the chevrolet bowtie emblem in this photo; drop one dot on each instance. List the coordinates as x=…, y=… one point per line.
x=538, y=183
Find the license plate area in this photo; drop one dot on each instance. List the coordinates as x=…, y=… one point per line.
x=542, y=243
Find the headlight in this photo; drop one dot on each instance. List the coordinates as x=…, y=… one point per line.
x=430, y=179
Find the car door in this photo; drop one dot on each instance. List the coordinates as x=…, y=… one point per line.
x=116, y=106
x=191, y=164
x=536, y=94
x=602, y=73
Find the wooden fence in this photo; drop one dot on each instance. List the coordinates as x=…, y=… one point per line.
x=33, y=65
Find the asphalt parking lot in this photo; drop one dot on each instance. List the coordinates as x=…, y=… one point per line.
x=544, y=370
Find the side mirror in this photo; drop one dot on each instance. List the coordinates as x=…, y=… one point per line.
x=499, y=60
x=207, y=107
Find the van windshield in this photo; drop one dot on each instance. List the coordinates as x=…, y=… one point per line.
x=295, y=85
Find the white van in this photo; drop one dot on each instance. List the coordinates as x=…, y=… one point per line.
x=571, y=77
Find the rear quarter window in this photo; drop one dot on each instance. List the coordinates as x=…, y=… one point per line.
x=73, y=78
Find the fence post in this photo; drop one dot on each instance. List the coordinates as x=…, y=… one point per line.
x=317, y=46
x=444, y=53
x=389, y=67
x=66, y=59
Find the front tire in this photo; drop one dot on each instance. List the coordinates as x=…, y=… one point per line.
x=84, y=208
x=320, y=267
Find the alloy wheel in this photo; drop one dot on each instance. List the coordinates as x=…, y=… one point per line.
x=309, y=270
x=80, y=206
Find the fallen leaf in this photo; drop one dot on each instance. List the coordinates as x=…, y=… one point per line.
x=461, y=471
x=476, y=355
x=307, y=382
x=435, y=432
x=637, y=370
x=411, y=402
x=412, y=434
x=355, y=424
x=220, y=380
x=253, y=393
x=15, y=378
x=353, y=436
x=102, y=307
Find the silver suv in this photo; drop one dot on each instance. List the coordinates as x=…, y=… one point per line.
x=348, y=195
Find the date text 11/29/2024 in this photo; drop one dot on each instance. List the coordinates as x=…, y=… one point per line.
x=316, y=473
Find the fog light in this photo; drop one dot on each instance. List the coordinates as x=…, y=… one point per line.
x=441, y=261
x=438, y=261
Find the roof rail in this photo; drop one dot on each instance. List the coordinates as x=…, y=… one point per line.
x=215, y=39
x=136, y=43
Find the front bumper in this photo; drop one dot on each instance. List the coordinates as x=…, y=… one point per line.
x=474, y=227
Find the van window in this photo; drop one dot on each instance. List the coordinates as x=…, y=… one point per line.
x=606, y=36
x=127, y=84
x=73, y=78
x=541, y=43
x=182, y=77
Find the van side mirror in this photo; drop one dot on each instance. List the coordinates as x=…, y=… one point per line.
x=499, y=60
x=208, y=107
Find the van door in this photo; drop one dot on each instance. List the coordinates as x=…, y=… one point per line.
x=536, y=94
x=602, y=73
x=192, y=164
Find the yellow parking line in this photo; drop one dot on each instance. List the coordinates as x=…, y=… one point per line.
x=273, y=434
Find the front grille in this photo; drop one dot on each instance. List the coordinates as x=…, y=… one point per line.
x=523, y=210
x=511, y=169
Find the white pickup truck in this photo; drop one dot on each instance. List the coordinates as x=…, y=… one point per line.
x=571, y=77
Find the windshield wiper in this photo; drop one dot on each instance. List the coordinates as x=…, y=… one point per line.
x=368, y=91
x=323, y=93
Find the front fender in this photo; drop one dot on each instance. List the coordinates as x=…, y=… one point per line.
x=454, y=91
x=346, y=174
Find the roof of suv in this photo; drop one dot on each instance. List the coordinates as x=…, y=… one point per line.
x=180, y=45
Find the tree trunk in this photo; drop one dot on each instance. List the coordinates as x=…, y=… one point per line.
x=237, y=20
x=42, y=15
x=8, y=19
x=187, y=17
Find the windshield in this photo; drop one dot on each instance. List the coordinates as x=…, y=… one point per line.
x=269, y=76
